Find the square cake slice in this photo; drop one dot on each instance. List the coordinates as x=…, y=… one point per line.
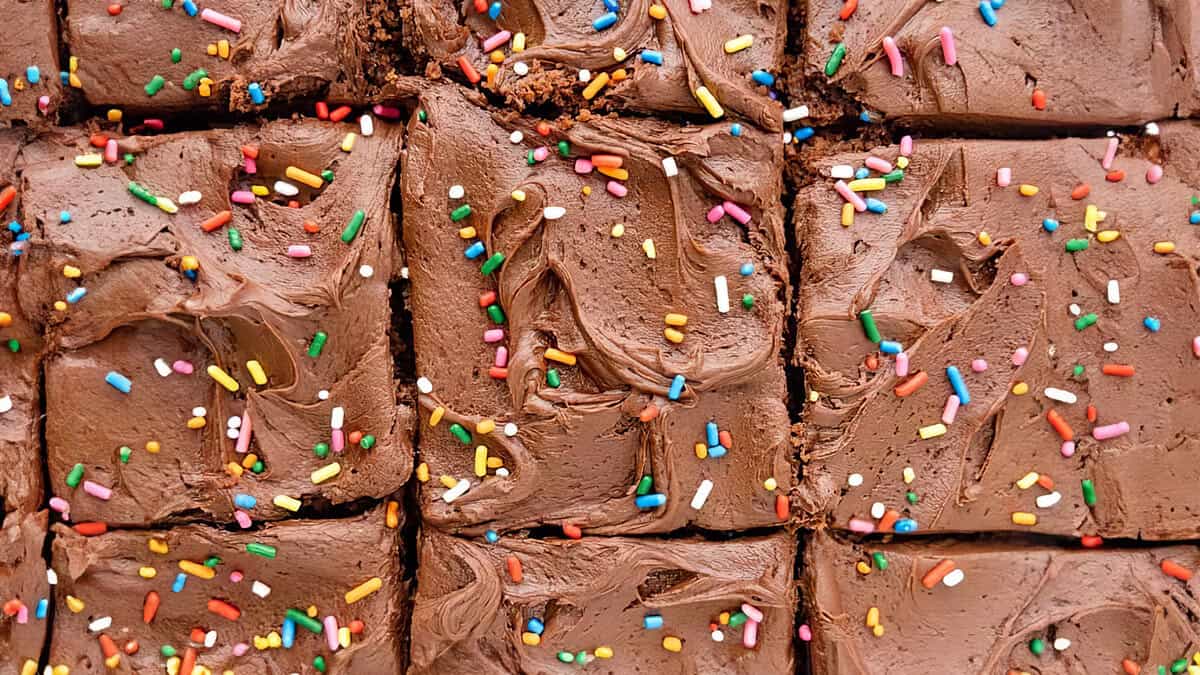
x=651, y=57
x=1005, y=338
x=301, y=596
x=597, y=315
x=614, y=604
x=216, y=354
x=998, y=606
x=24, y=592
x=942, y=64
x=30, y=85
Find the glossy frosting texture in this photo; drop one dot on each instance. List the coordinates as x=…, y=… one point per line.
x=22, y=578
x=966, y=479
x=293, y=49
x=316, y=563
x=468, y=615
x=568, y=284
x=1109, y=605
x=32, y=42
x=560, y=40
x=254, y=304
x=1147, y=70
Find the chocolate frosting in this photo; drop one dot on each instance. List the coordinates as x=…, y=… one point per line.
x=22, y=578
x=1098, y=63
x=254, y=304
x=965, y=480
x=560, y=40
x=1110, y=605
x=294, y=50
x=570, y=285
x=31, y=41
x=468, y=615
x=316, y=563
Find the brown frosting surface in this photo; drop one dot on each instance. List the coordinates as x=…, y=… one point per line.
x=1108, y=605
x=22, y=579
x=1097, y=63
x=567, y=283
x=254, y=304
x=294, y=50
x=966, y=479
x=31, y=41
x=469, y=614
x=560, y=40
x=316, y=563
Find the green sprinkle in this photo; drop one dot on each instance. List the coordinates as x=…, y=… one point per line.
x=235, y=239
x=317, y=344
x=894, y=177
x=176, y=54
x=880, y=560
x=529, y=158
x=645, y=485
x=1037, y=646
x=14, y=345
x=142, y=194
x=1179, y=666
x=304, y=621
x=212, y=562
x=460, y=433
x=564, y=148
x=319, y=663
x=1077, y=370
x=1089, y=492
x=1085, y=321
x=552, y=378
x=737, y=619
x=76, y=475
x=422, y=115
x=128, y=158
x=1162, y=670
x=869, y=327
x=835, y=59
x=258, y=467
x=367, y=442
x=748, y=301
x=262, y=550
x=125, y=453
x=193, y=78
x=327, y=175
x=566, y=657
x=493, y=263
x=495, y=313
x=1074, y=245
x=911, y=497
x=581, y=658
x=356, y=223
x=155, y=85
x=321, y=450
x=167, y=4
x=167, y=651
x=461, y=212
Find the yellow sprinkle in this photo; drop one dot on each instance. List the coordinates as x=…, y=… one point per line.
x=738, y=43
x=274, y=641
x=74, y=81
x=256, y=372
x=594, y=87
x=863, y=568
x=770, y=484
x=492, y=71
x=485, y=426
x=701, y=451
x=984, y=238
x=222, y=378
x=447, y=481
x=423, y=472
x=73, y=64
x=531, y=639
x=909, y=475
x=931, y=431
x=617, y=230
x=90, y=160
x=211, y=49
x=113, y=662
x=1028, y=190
x=166, y=205
x=29, y=667
x=74, y=604
x=672, y=644
x=847, y=214
x=619, y=74
x=1022, y=518
x=518, y=195
x=260, y=190
x=392, y=516
x=1193, y=670
x=518, y=43
x=1164, y=247
x=814, y=396
x=19, y=84
x=223, y=48
x=877, y=630
x=1020, y=388
x=71, y=272
x=618, y=54
x=363, y=590
x=286, y=503
x=260, y=642
x=436, y=416
x=189, y=263
x=60, y=670
x=586, y=190
x=723, y=618
x=901, y=162
x=648, y=247
x=147, y=572
x=615, y=173
x=604, y=652
x=495, y=462
x=867, y=184
x=709, y=102
x=249, y=460
x=553, y=354
x=481, y=460
x=153, y=447
x=675, y=319
x=1107, y=236
x=348, y=141
x=60, y=305
x=158, y=546
x=114, y=115
x=1091, y=216
x=467, y=232
x=325, y=473
x=1027, y=480
x=344, y=636
x=872, y=617
x=205, y=88
x=673, y=335
x=658, y=12
x=311, y=611
x=197, y=570
x=497, y=56
x=196, y=423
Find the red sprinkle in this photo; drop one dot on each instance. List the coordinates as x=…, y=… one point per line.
x=356, y=627
x=782, y=507
x=91, y=529
x=848, y=9
x=250, y=151
x=1091, y=541
x=543, y=128
x=469, y=70
x=481, y=6
x=1091, y=413
x=322, y=110
x=341, y=113
x=1115, y=176
x=1082, y=190
x=98, y=140
x=726, y=439
x=572, y=531
x=487, y=299
x=114, y=9
x=514, y=569
x=1039, y=99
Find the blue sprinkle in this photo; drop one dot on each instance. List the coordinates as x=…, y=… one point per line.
x=710, y=433
x=535, y=626
x=494, y=11
x=33, y=74
x=862, y=172
x=803, y=134
x=735, y=129
x=651, y=56
x=288, y=633
x=869, y=117
x=676, y=388
x=651, y=501
x=64, y=216
x=76, y=295
x=1049, y=224
x=14, y=227
x=890, y=347
x=605, y=21
x=119, y=381
x=190, y=274
x=1194, y=219
x=24, y=236
x=491, y=536
x=612, y=5
x=988, y=13
x=5, y=97
x=256, y=94
x=42, y=606
x=717, y=451
x=876, y=206
x=65, y=77
x=763, y=77
x=746, y=269
x=906, y=525
x=960, y=387
x=180, y=582
x=652, y=622
x=190, y=8
x=474, y=250
x=243, y=501
x=1152, y=324
x=997, y=4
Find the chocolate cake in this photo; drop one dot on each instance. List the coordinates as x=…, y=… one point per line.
x=24, y=592
x=645, y=56
x=614, y=604
x=212, y=353
x=997, y=606
x=597, y=318
x=30, y=86
x=1004, y=338
x=1009, y=68
x=300, y=596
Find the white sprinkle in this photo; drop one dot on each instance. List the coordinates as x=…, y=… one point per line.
x=722, y=294
x=669, y=167
x=404, y=272
x=199, y=411
x=787, y=137
x=941, y=276
x=702, y=493
x=1060, y=395
x=1152, y=128
x=101, y=624
x=797, y=113
x=553, y=212
x=521, y=68
x=1114, y=292
x=260, y=589
x=854, y=480
x=457, y=191
x=190, y=197
x=286, y=189
x=841, y=171
x=51, y=577
x=954, y=578
x=424, y=385
x=1074, y=309
x=718, y=636
x=232, y=433
x=162, y=367
x=1110, y=133
x=6, y=403
x=234, y=422
x=210, y=639
x=1046, y=501
x=323, y=394
x=510, y=429
x=337, y=417
x=366, y=125
x=1110, y=347
x=366, y=271
x=516, y=137
x=877, y=510
x=460, y=488
x=502, y=472
x=585, y=75
x=1062, y=644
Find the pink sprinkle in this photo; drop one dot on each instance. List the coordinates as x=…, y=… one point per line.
x=949, y=51
x=236, y=576
x=1004, y=176
x=893, y=54
x=496, y=40
x=752, y=612
x=1110, y=431
x=979, y=365
x=493, y=335
x=97, y=490
x=242, y=197
x=23, y=614
x=154, y=124
x=1111, y=153
x=616, y=189
x=249, y=165
x=390, y=112
x=110, y=151
x=1154, y=173
x=906, y=145
x=805, y=633
x=750, y=634
x=240, y=649
x=62, y=506
x=951, y=409
x=849, y=195
x=244, y=431
x=243, y=521
x=540, y=154
x=226, y=22
x=17, y=248
x=331, y=630
x=861, y=526
x=1019, y=356
x=583, y=165
x=338, y=440
x=501, y=356
x=715, y=213
x=44, y=104
x=183, y=367
x=878, y=164
x=1019, y=279
x=1196, y=346
x=1068, y=448
x=299, y=251
x=902, y=364
x=739, y=214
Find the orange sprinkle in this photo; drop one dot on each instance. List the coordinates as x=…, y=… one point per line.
x=322, y=110
x=888, y=521
x=543, y=128
x=189, y=660
x=1091, y=541
x=907, y=387
x=487, y=299
x=648, y=413
x=514, y=569
x=498, y=373
x=1130, y=667
x=1117, y=369
x=726, y=439
x=340, y=113
x=150, y=607
x=354, y=437
x=98, y=140
x=1115, y=176
x=1082, y=190
x=1060, y=425
x=1091, y=413
x=216, y=221
x=311, y=227
x=781, y=506
x=872, y=363
x=481, y=6
x=12, y=607
x=357, y=626
x=1174, y=569
x=1045, y=481
x=107, y=646
x=7, y=195
x=937, y=573
x=91, y=529
x=848, y=9
x=114, y=9
x=469, y=70
x=197, y=635
x=607, y=161
x=293, y=204
x=131, y=647
x=250, y=151
x=224, y=609
x=572, y=531
x=1039, y=99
